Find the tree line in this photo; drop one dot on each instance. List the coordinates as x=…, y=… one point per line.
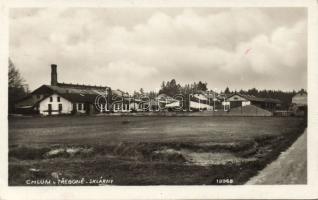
x=173, y=88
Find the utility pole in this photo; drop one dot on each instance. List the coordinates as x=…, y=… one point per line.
x=213, y=101
x=122, y=102
x=209, y=102
x=134, y=103
x=129, y=102
x=190, y=102
x=199, y=103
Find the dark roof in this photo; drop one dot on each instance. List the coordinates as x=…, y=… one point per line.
x=25, y=97
x=221, y=96
x=34, y=103
x=73, y=92
x=257, y=99
x=163, y=96
x=88, y=89
x=37, y=102
x=120, y=93
x=80, y=98
x=76, y=92
x=79, y=89
x=301, y=93
x=80, y=86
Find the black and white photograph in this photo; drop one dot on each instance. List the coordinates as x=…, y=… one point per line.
x=157, y=96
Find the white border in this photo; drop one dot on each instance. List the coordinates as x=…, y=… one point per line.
x=308, y=191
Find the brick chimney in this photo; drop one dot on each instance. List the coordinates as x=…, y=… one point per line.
x=53, y=75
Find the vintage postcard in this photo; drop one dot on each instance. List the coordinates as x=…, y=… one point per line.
x=181, y=100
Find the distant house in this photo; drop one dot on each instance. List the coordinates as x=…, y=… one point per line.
x=237, y=100
x=299, y=104
x=120, y=101
x=141, y=103
x=174, y=106
x=164, y=100
x=201, y=101
x=300, y=99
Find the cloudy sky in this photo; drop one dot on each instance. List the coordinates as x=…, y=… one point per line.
x=130, y=48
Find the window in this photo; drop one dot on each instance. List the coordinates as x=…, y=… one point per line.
x=84, y=106
x=38, y=96
x=58, y=99
x=49, y=109
x=51, y=99
x=60, y=107
x=79, y=106
x=74, y=107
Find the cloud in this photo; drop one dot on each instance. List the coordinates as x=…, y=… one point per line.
x=241, y=48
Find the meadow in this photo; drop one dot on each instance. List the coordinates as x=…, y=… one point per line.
x=147, y=150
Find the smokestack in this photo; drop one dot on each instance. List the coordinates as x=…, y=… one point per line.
x=53, y=75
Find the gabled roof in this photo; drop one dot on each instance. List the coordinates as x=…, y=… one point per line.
x=120, y=93
x=163, y=96
x=222, y=96
x=33, y=103
x=301, y=93
x=200, y=96
x=79, y=89
x=80, y=86
x=257, y=99
x=205, y=94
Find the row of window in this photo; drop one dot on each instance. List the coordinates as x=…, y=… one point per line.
x=80, y=106
x=126, y=107
x=58, y=99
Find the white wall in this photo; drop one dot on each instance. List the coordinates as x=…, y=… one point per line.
x=201, y=97
x=197, y=105
x=246, y=103
x=300, y=99
x=225, y=103
x=117, y=107
x=173, y=104
x=67, y=106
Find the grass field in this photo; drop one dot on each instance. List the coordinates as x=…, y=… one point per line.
x=146, y=150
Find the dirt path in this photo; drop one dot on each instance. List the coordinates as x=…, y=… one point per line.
x=289, y=168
